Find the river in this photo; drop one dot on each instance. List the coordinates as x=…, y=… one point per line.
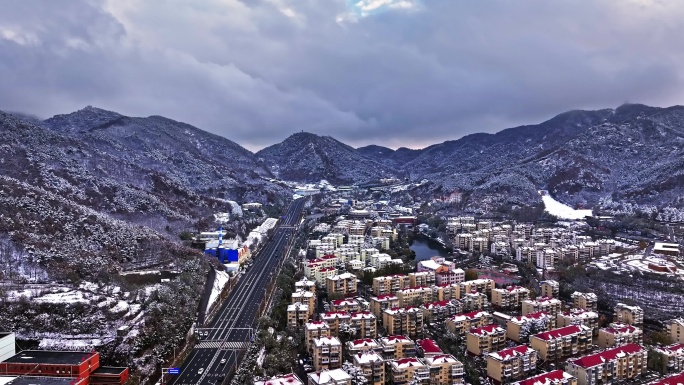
x=426, y=250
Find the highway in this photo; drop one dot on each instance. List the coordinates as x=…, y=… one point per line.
x=229, y=331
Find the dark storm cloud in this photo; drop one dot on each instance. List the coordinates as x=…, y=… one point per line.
x=386, y=71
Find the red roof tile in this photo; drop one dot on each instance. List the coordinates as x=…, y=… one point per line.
x=542, y=378
x=429, y=346
x=561, y=332
x=607, y=355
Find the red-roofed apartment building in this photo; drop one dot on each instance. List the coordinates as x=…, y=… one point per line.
x=556, y=377
x=485, y=339
x=619, y=334
x=613, y=365
x=461, y=323
x=511, y=364
x=563, y=342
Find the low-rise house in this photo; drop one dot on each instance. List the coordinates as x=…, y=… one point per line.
x=313, y=330
x=519, y=329
x=586, y=301
x=406, y=370
x=372, y=365
x=563, y=342
x=556, y=377
x=511, y=364
x=395, y=347
x=510, y=297
x=327, y=353
x=445, y=369
x=403, y=321
x=631, y=315
x=552, y=306
x=329, y=377
x=439, y=311
x=622, y=363
x=619, y=334
x=485, y=339
x=461, y=323
x=383, y=302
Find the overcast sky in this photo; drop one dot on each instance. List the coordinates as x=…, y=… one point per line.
x=391, y=72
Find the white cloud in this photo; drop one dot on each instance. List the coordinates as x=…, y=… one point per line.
x=257, y=71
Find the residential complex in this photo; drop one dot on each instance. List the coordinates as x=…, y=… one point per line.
x=613, y=365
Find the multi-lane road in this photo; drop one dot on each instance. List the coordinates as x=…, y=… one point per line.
x=230, y=329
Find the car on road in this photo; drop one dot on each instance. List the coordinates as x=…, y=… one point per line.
x=223, y=361
x=200, y=371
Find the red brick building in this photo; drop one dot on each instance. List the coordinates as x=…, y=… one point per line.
x=84, y=368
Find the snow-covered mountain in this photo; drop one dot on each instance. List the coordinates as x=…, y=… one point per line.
x=306, y=157
x=95, y=171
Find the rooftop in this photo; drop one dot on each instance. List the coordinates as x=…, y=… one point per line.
x=545, y=378
x=441, y=359
x=110, y=370
x=429, y=346
x=327, y=376
x=31, y=380
x=561, y=332
x=49, y=357
x=512, y=352
x=406, y=362
x=485, y=330
x=607, y=355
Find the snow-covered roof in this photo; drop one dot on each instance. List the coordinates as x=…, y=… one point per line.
x=486, y=330
x=286, y=379
x=404, y=363
x=517, y=351
x=328, y=376
x=607, y=355
x=367, y=357
x=561, y=332
x=327, y=341
x=546, y=378
x=439, y=359
x=297, y=306
x=316, y=325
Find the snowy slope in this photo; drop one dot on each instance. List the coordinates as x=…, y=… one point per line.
x=561, y=210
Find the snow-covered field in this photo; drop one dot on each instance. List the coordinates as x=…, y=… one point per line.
x=219, y=283
x=561, y=210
